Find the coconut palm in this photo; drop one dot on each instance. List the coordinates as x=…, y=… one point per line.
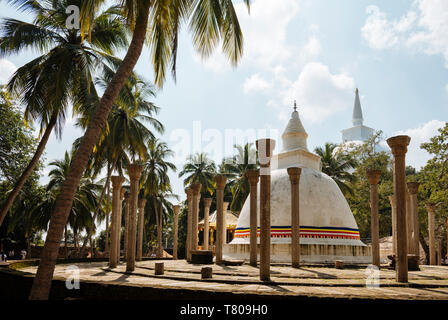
x=235, y=170
x=158, y=21
x=337, y=165
x=126, y=132
x=199, y=169
x=156, y=181
x=62, y=75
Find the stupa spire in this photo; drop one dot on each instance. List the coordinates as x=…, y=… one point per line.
x=294, y=136
x=357, y=118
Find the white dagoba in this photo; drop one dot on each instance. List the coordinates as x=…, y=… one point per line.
x=358, y=132
x=328, y=230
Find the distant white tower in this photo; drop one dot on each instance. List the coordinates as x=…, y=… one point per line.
x=358, y=132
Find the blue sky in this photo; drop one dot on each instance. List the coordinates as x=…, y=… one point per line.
x=316, y=52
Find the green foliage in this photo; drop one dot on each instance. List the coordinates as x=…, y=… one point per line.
x=433, y=179
x=337, y=165
x=199, y=169
x=368, y=156
x=17, y=145
x=235, y=169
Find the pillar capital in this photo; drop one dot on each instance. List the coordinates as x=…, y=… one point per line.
x=294, y=174
x=176, y=209
x=399, y=145
x=413, y=187
x=431, y=207
x=117, y=181
x=373, y=176
x=196, y=187
x=189, y=193
x=220, y=181
x=392, y=200
x=141, y=203
x=253, y=176
x=135, y=171
x=122, y=193
x=207, y=202
x=265, y=148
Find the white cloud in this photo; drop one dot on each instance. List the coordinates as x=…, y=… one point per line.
x=256, y=84
x=7, y=68
x=433, y=21
x=423, y=27
x=319, y=93
x=377, y=30
x=415, y=156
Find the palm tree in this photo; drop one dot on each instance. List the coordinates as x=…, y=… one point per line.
x=62, y=74
x=156, y=181
x=126, y=131
x=199, y=169
x=210, y=23
x=337, y=165
x=235, y=170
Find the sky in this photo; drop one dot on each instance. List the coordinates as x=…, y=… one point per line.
x=315, y=52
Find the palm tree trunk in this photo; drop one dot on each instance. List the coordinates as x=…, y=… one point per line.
x=98, y=207
x=29, y=169
x=42, y=281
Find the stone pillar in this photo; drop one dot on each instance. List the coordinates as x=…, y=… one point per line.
x=265, y=148
x=413, y=191
x=409, y=222
x=189, y=193
x=253, y=177
x=294, y=178
x=195, y=211
x=176, y=209
x=135, y=172
x=127, y=203
x=220, y=185
x=120, y=218
x=373, y=176
x=141, y=223
x=398, y=145
x=439, y=253
x=431, y=232
x=394, y=223
x=117, y=181
x=207, y=204
x=224, y=222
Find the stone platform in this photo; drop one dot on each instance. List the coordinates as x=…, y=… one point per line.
x=430, y=283
x=309, y=253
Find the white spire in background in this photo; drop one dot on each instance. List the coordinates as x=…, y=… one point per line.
x=357, y=118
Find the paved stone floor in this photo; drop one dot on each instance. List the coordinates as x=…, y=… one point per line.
x=429, y=283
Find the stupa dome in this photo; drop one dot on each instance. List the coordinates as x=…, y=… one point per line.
x=328, y=230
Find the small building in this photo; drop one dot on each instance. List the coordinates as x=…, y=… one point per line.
x=230, y=220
